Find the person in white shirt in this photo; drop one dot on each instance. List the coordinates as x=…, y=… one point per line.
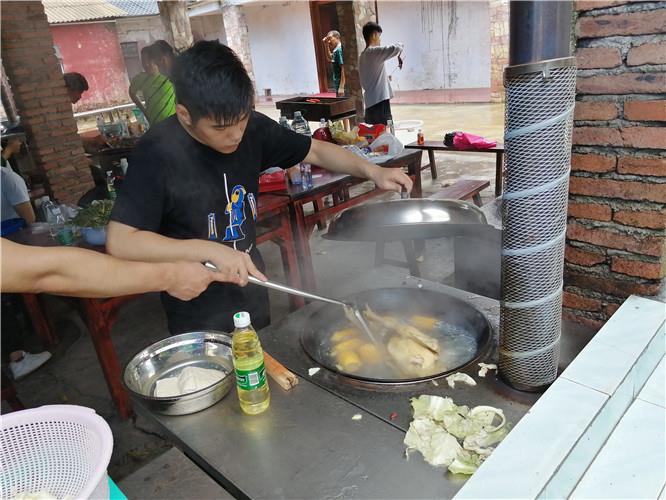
x=15, y=198
x=377, y=91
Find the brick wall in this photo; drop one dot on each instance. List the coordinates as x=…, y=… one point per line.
x=616, y=238
x=499, y=47
x=41, y=100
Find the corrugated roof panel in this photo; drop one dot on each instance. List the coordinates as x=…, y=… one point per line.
x=70, y=11
x=135, y=8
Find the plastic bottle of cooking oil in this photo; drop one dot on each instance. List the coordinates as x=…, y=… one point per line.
x=249, y=366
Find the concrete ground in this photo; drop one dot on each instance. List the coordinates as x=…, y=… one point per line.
x=74, y=376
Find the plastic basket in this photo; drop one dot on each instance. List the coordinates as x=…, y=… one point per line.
x=63, y=450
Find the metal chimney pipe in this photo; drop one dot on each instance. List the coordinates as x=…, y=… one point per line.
x=540, y=84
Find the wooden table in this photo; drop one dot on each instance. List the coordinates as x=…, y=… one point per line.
x=100, y=314
x=432, y=146
x=337, y=185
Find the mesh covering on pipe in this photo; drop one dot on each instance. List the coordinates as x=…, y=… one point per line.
x=538, y=121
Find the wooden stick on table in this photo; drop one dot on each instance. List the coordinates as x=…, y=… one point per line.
x=279, y=372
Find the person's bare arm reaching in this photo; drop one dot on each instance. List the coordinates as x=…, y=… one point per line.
x=84, y=273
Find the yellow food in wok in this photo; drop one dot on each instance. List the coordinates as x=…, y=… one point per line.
x=347, y=345
x=349, y=361
x=370, y=354
x=423, y=322
x=344, y=334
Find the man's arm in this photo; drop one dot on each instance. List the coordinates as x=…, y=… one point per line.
x=343, y=81
x=388, y=51
x=130, y=243
x=84, y=273
x=337, y=159
x=137, y=101
x=327, y=48
x=25, y=211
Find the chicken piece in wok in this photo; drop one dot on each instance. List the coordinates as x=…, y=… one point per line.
x=411, y=357
x=401, y=328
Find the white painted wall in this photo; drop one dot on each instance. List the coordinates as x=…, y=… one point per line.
x=447, y=43
x=208, y=27
x=282, y=48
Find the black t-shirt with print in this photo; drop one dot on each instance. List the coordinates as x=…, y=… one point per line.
x=180, y=188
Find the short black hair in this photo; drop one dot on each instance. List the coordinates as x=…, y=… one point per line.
x=368, y=29
x=76, y=81
x=211, y=81
x=165, y=48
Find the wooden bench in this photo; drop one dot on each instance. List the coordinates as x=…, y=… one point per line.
x=464, y=189
x=461, y=190
x=432, y=146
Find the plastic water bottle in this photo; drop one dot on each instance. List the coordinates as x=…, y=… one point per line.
x=390, y=126
x=53, y=217
x=100, y=124
x=110, y=181
x=284, y=122
x=124, y=127
x=300, y=124
x=251, y=382
x=306, y=175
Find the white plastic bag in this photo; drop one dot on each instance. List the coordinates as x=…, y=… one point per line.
x=395, y=147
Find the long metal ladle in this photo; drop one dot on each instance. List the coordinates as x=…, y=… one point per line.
x=355, y=312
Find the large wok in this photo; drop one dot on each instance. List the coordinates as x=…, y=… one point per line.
x=410, y=219
x=463, y=332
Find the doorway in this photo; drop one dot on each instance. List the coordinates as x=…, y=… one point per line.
x=324, y=16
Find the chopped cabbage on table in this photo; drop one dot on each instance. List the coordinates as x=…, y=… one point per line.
x=453, y=436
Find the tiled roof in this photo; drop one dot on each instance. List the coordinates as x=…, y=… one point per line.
x=137, y=7
x=70, y=11
x=73, y=11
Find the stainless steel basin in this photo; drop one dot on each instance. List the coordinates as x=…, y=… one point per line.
x=168, y=357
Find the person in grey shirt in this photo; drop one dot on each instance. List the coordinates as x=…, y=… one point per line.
x=376, y=86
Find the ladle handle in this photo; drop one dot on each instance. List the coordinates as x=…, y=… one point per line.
x=293, y=291
x=284, y=288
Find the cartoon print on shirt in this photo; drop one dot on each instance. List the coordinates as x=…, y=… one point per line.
x=236, y=211
x=253, y=205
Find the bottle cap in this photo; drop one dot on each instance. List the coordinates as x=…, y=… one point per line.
x=241, y=319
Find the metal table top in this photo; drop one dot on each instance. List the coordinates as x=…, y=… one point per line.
x=307, y=446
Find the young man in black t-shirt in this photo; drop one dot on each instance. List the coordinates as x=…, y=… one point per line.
x=191, y=191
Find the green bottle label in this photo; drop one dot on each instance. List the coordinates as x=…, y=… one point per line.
x=251, y=379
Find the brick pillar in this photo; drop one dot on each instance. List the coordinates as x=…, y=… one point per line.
x=351, y=18
x=176, y=23
x=616, y=238
x=499, y=47
x=238, y=36
x=41, y=100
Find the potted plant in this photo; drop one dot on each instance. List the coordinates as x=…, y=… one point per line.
x=93, y=221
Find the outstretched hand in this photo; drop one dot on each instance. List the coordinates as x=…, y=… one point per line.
x=391, y=179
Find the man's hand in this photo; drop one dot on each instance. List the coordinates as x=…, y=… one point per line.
x=188, y=280
x=390, y=179
x=232, y=266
